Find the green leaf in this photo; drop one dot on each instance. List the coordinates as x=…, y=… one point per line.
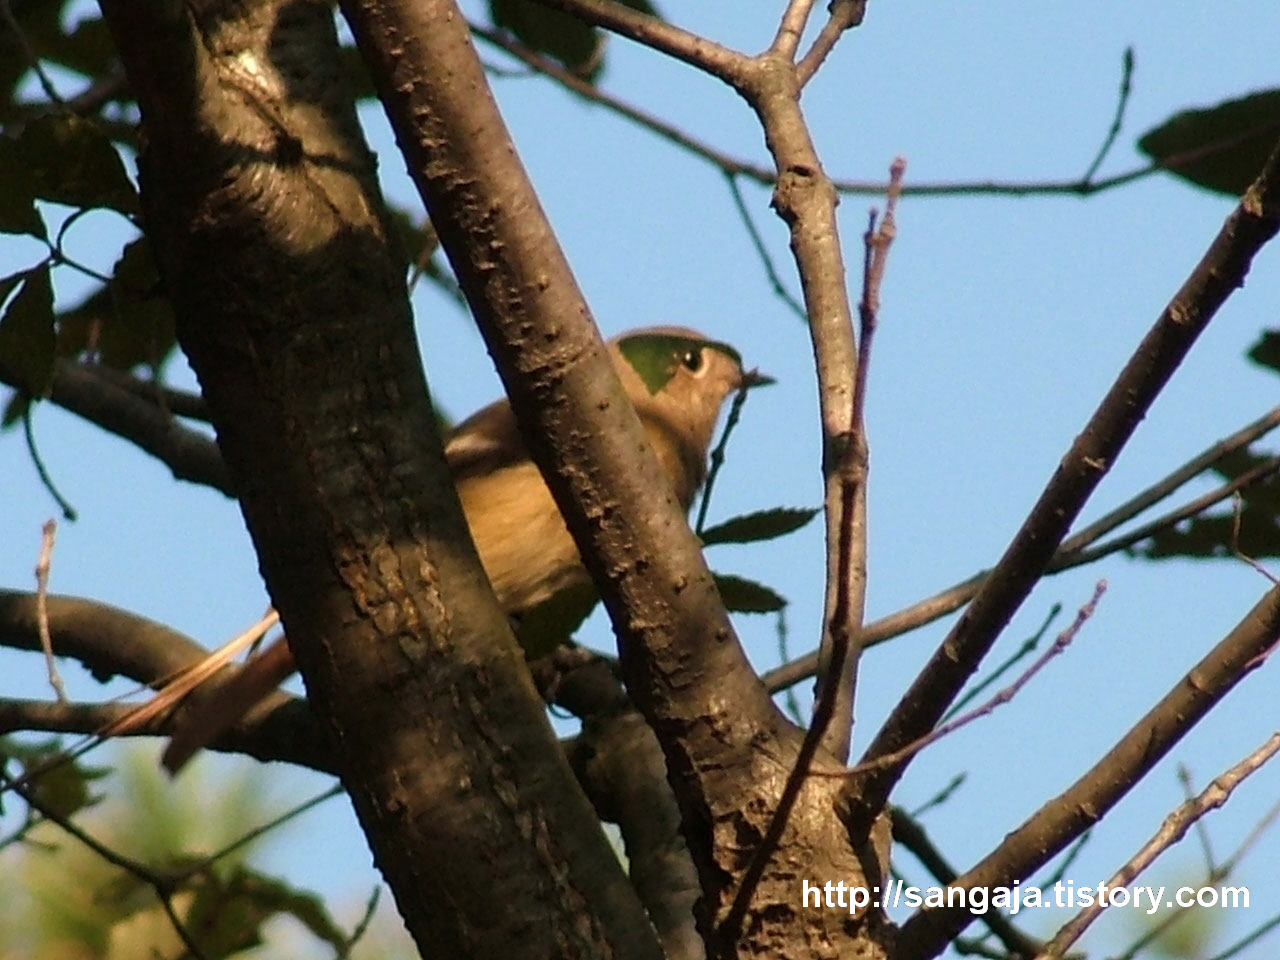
x=73, y=162
x=126, y=324
x=230, y=912
x=762, y=525
x=1220, y=148
x=18, y=212
x=57, y=782
x=1266, y=352
x=27, y=339
x=746, y=596
x=1210, y=535
x=656, y=356
x=561, y=36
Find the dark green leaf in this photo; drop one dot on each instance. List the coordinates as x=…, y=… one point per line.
x=26, y=330
x=1221, y=148
x=56, y=781
x=128, y=323
x=1210, y=535
x=1266, y=352
x=18, y=212
x=88, y=49
x=762, y=525
x=574, y=43
x=73, y=162
x=230, y=911
x=746, y=596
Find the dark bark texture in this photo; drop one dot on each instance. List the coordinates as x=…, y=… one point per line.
x=262, y=203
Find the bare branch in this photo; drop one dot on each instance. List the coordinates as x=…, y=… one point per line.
x=791, y=28
x=1222, y=269
x=112, y=642
x=1173, y=829
x=1122, y=102
x=911, y=834
x=1088, y=800
x=180, y=403
x=676, y=42
x=42, y=608
x=1002, y=697
x=188, y=453
x=844, y=14
x=1163, y=488
x=1072, y=552
x=757, y=241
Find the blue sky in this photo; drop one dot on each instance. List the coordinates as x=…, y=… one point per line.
x=1003, y=321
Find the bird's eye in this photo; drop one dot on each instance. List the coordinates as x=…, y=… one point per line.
x=692, y=359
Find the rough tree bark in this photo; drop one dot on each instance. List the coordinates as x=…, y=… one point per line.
x=261, y=199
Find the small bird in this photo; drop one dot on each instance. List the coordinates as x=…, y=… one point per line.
x=676, y=378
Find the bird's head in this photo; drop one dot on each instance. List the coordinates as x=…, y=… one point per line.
x=678, y=380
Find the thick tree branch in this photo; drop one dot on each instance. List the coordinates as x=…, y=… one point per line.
x=111, y=642
x=727, y=746
x=910, y=833
x=84, y=391
x=1084, y=803
x=274, y=244
x=1220, y=271
x=620, y=765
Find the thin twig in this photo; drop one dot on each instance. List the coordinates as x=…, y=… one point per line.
x=1027, y=647
x=1202, y=832
x=46, y=480
x=1070, y=554
x=1237, y=508
x=1170, y=484
x=791, y=28
x=28, y=52
x=361, y=928
x=295, y=811
x=1248, y=940
x=1092, y=453
x=43, y=565
x=911, y=834
x=1189, y=509
x=1247, y=843
x=717, y=455
x=161, y=884
x=1173, y=829
x=1126, y=87
x=1098, y=790
x=1216, y=875
x=942, y=796
x=757, y=241
x=832, y=724
x=676, y=42
x=789, y=700
x=833, y=708
x=1002, y=697
x=844, y=14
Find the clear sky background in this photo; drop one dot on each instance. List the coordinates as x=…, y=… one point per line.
x=1003, y=321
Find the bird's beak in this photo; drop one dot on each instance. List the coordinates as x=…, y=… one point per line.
x=754, y=378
